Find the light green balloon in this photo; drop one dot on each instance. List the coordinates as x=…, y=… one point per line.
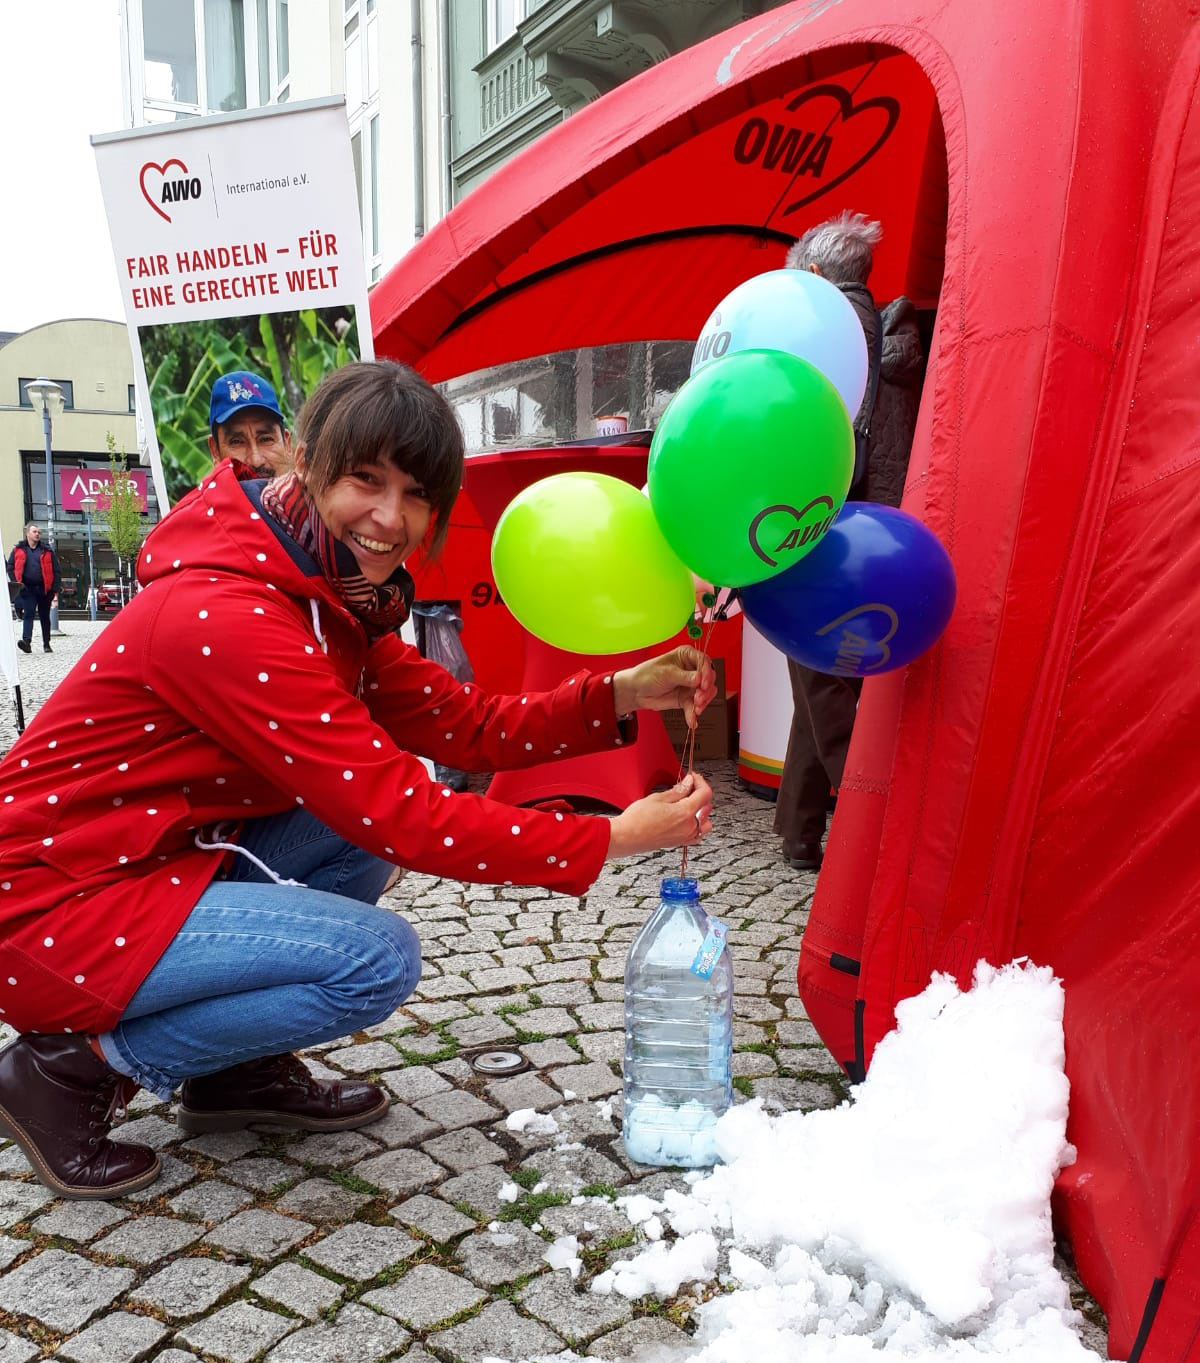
x=750, y=465
x=581, y=563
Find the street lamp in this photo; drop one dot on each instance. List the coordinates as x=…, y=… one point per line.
x=88, y=506
x=47, y=395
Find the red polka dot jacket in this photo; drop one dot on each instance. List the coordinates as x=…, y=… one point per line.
x=235, y=686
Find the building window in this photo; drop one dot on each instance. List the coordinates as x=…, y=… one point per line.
x=207, y=56
x=132, y=398
x=503, y=16
x=68, y=393
x=361, y=35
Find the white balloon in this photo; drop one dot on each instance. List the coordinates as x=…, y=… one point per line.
x=796, y=311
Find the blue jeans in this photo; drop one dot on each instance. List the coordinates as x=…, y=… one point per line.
x=258, y=968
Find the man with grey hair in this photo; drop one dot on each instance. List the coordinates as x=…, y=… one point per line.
x=840, y=250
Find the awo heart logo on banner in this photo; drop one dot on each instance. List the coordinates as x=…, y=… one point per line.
x=160, y=188
x=824, y=138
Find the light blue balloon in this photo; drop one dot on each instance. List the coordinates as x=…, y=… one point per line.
x=796, y=311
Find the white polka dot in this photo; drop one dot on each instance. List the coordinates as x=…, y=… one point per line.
x=508, y=882
x=152, y=812
x=265, y=677
x=528, y=747
x=150, y=556
x=47, y=842
x=449, y=737
x=389, y=851
x=466, y=690
x=220, y=780
x=5, y=884
x=607, y=681
x=524, y=700
x=595, y=724
x=247, y=801
x=482, y=866
x=206, y=651
x=347, y=775
x=176, y=563
x=53, y=743
x=118, y=941
x=262, y=558
x=559, y=817
x=122, y=860
x=209, y=512
x=447, y=842
x=437, y=710
x=288, y=760
x=92, y=668
x=11, y=980
x=571, y=681
x=76, y=765
x=366, y=822
x=24, y=761
x=89, y=721
x=503, y=734
x=258, y=610
x=446, y=790
x=617, y=743
x=254, y=516
x=563, y=863
x=78, y=979
x=409, y=791
x=325, y=717
x=120, y=648
x=149, y=728
x=551, y=861
x=375, y=743
x=429, y=690
x=48, y=941
x=299, y=799
x=118, y=801
x=122, y=766
x=516, y=828
x=308, y=648
x=271, y=724
x=8, y=799
x=271, y=586
x=52, y=799
x=203, y=615
x=174, y=880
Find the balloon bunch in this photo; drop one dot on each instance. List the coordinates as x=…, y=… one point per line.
x=748, y=475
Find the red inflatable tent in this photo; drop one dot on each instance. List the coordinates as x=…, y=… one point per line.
x=1031, y=786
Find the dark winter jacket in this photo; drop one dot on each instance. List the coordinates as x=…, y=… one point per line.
x=235, y=685
x=44, y=577
x=895, y=417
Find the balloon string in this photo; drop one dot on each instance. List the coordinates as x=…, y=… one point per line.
x=688, y=757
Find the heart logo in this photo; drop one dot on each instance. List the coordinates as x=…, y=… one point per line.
x=847, y=110
x=795, y=537
x=162, y=171
x=885, y=653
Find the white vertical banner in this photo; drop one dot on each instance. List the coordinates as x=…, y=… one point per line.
x=239, y=248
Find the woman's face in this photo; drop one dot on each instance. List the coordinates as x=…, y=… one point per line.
x=378, y=512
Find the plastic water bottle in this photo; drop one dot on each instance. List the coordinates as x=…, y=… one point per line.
x=678, y=1032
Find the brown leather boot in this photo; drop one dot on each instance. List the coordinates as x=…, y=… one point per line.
x=57, y=1101
x=280, y=1090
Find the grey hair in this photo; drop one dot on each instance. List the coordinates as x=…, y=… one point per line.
x=33, y=525
x=841, y=248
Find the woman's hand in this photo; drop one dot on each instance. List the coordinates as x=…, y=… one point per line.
x=679, y=817
x=680, y=680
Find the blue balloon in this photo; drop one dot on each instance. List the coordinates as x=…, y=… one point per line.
x=874, y=594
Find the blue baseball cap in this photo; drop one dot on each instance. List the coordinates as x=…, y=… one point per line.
x=234, y=393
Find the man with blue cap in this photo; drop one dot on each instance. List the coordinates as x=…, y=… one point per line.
x=246, y=424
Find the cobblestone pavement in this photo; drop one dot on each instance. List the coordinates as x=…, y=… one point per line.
x=395, y=1241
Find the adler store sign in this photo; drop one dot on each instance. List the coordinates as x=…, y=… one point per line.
x=76, y=484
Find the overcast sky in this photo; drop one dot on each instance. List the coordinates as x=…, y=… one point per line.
x=60, y=81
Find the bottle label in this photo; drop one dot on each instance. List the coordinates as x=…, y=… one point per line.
x=710, y=950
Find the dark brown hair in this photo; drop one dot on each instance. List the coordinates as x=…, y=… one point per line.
x=374, y=411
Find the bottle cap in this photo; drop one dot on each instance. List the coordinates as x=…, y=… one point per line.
x=681, y=888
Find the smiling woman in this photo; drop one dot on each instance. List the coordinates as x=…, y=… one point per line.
x=256, y=777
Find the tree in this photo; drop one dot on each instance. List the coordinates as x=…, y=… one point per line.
x=122, y=507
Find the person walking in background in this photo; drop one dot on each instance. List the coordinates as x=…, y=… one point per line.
x=247, y=424
x=33, y=566
x=842, y=251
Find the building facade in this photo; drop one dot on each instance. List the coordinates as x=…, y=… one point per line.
x=90, y=360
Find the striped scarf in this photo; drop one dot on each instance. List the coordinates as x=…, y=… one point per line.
x=380, y=609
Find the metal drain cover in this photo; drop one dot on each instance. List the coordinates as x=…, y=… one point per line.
x=496, y=1062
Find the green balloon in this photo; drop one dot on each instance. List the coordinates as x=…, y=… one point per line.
x=581, y=563
x=750, y=465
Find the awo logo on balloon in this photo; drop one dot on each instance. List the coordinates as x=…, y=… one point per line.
x=168, y=185
x=807, y=526
x=853, y=648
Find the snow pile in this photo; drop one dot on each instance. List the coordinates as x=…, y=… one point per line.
x=913, y=1219
x=529, y=1120
x=564, y=1253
